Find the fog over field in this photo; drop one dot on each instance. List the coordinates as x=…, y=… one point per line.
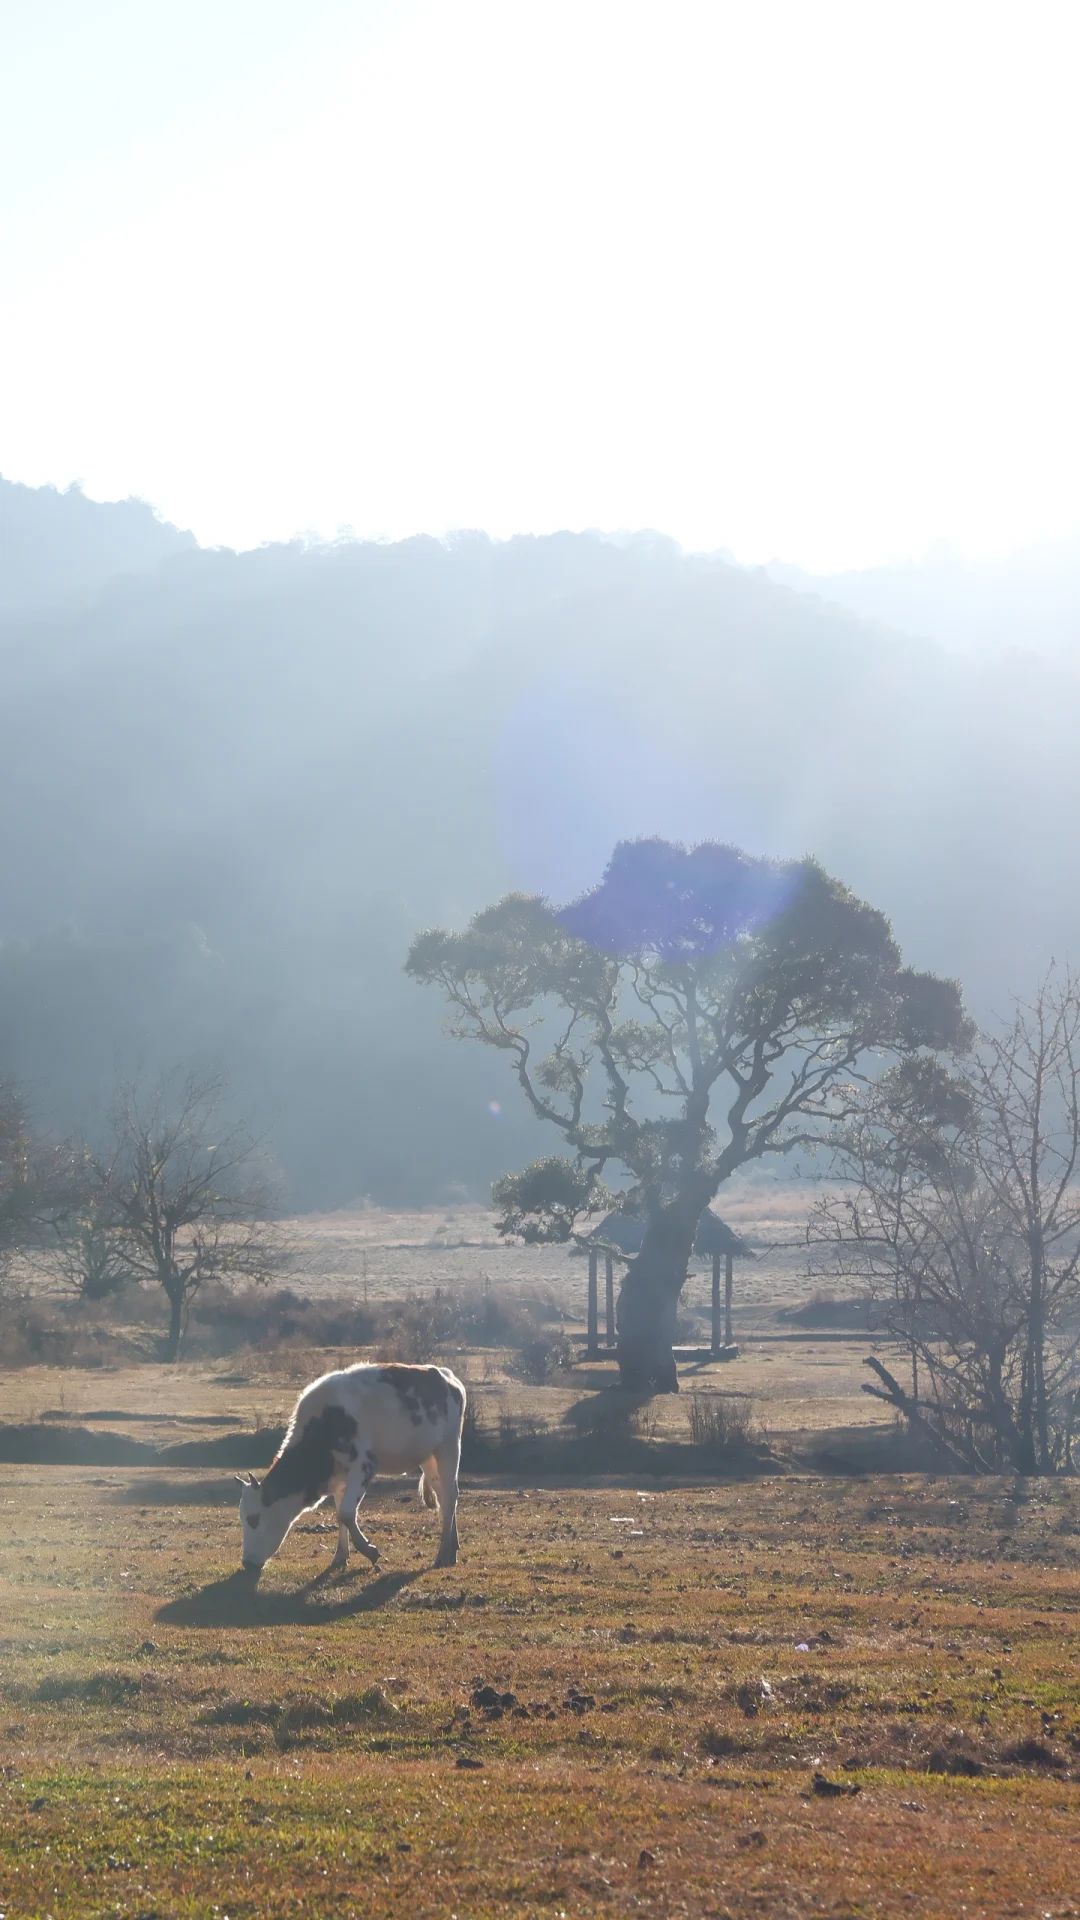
x=236, y=783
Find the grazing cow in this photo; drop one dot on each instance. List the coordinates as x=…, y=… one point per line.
x=345, y=1428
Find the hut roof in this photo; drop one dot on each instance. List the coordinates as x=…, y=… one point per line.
x=620, y=1230
x=715, y=1236
x=626, y=1232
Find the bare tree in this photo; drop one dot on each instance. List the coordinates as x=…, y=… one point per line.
x=961, y=1211
x=88, y=1258
x=178, y=1197
x=15, y=1182
x=39, y=1181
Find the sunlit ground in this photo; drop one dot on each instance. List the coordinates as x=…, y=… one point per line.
x=665, y=1670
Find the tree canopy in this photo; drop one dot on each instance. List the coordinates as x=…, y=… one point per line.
x=698, y=1010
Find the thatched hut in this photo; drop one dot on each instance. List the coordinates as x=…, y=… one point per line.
x=620, y=1235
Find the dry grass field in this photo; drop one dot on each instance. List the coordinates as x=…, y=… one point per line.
x=658, y=1682
x=373, y=1253
x=618, y=1702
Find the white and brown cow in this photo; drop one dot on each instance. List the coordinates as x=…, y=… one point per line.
x=345, y=1428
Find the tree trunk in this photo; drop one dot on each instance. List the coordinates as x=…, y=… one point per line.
x=1034, y=1412
x=592, y=1337
x=176, y=1311
x=649, y=1301
x=1005, y=1428
x=1025, y=1455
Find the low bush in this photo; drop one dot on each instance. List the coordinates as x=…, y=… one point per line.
x=45, y=1331
x=721, y=1422
x=419, y=1326
x=484, y=1440
x=544, y=1356
x=358, y=1709
x=225, y=1319
x=128, y=1326
x=825, y=1311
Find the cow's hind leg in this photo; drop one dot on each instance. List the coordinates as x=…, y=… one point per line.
x=356, y=1486
x=447, y=1461
x=429, y=1483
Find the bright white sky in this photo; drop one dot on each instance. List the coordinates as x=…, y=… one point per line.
x=796, y=279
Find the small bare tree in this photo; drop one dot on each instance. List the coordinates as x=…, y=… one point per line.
x=15, y=1181
x=39, y=1181
x=178, y=1197
x=960, y=1209
x=88, y=1258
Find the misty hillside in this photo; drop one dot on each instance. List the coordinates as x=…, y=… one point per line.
x=235, y=784
x=1028, y=600
x=53, y=544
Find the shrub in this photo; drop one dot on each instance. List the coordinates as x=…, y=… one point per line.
x=543, y=1356
x=357, y=1709
x=644, y=1422
x=225, y=1320
x=720, y=1422
x=825, y=1310
x=482, y=1442
x=421, y=1326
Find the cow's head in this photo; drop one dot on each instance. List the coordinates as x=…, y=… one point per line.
x=310, y=1464
x=264, y=1523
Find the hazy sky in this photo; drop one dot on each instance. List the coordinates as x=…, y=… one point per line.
x=796, y=279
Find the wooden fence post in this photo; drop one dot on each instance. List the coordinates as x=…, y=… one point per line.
x=593, y=1333
x=728, y=1279
x=609, y=1300
x=715, y=1342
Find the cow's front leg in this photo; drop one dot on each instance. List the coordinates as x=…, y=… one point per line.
x=356, y=1486
x=341, y=1557
x=364, y=1545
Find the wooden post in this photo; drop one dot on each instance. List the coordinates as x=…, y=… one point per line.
x=609, y=1301
x=729, y=1273
x=593, y=1340
x=715, y=1343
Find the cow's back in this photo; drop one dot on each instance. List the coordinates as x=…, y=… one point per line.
x=403, y=1414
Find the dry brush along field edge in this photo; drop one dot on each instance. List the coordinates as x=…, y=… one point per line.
x=791, y=1696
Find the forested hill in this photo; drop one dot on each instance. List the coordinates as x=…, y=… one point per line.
x=56, y=544
x=234, y=784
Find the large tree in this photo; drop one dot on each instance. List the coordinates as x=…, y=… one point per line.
x=696, y=1011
